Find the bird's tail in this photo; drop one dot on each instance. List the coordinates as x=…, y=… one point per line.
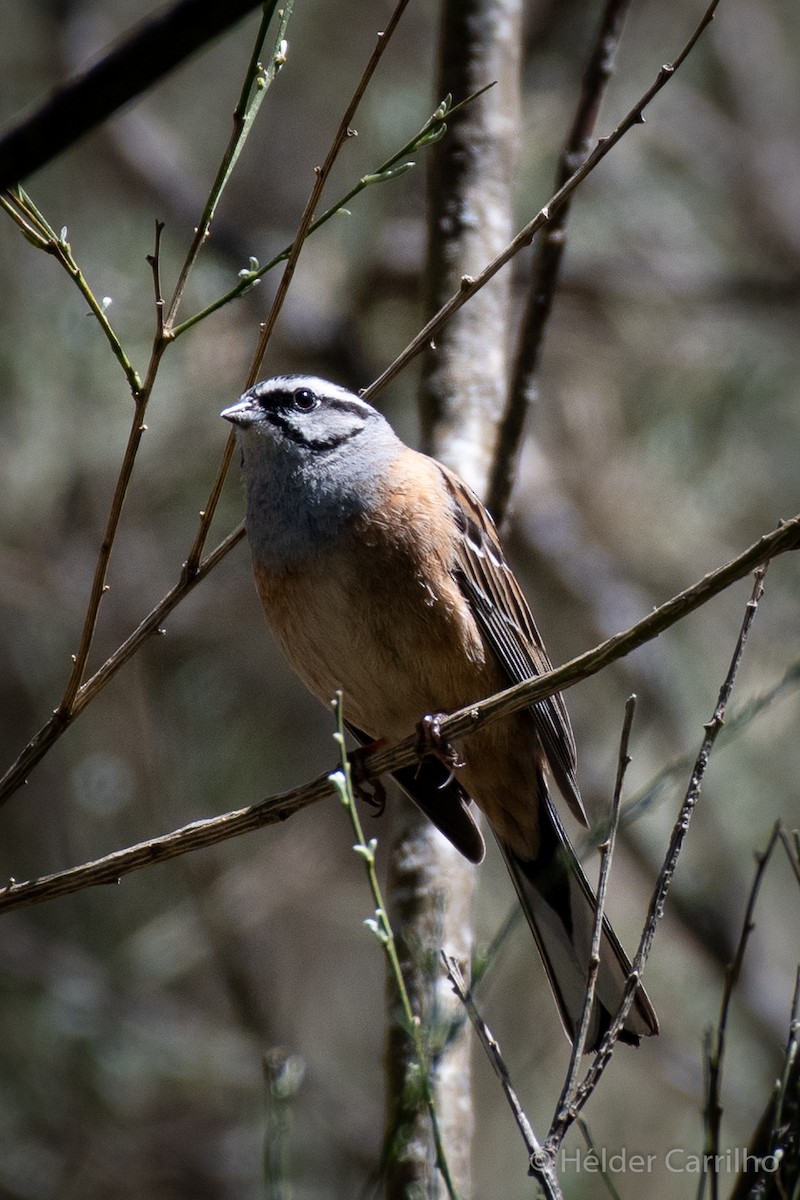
x=560, y=907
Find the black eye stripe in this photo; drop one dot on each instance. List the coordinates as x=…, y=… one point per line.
x=302, y=438
x=285, y=399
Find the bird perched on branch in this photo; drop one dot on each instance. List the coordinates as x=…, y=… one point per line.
x=381, y=573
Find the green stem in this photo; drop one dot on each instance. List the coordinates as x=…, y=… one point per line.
x=40, y=233
x=381, y=927
x=257, y=80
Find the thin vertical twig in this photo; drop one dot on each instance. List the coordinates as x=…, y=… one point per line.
x=667, y=872
x=343, y=133
x=137, y=430
x=321, y=175
x=569, y=1089
x=541, y=1163
x=257, y=80
x=712, y=1113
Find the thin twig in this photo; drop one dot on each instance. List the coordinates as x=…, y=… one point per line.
x=716, y=1049
x=256, y=83
x=38, y=231
x=433, y=129
x=606, y=856
x=195, y=836
x=321, y=178
x=549, y=256
x=469, y=284
x=540, y=1163
x=137, y=430
x=604, y=1173
x=792, y=851
x=771, y=1169
x=735, y=724
x=666, y=874
x=59, y=722
x=321, y=174
x=254, y=88
x=790, y=1060
x=217, y=829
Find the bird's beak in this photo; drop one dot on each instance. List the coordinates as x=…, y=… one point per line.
x=243, y=413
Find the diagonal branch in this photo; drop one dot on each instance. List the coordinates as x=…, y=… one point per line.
x=78, y=693
x=322, y=174
x=547, y=263
x=569, y=1090
x=541, y=1163
x=277, y=808
x=60, y=721
x=715, y=1050
x=565, y=1118
x=469, y=284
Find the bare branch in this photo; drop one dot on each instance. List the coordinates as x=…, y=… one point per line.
x=569, y=1089
x=665, y=877
x=469, y=284
x=321, y=178
x=60, y=721
x=716, y=1051
x=549, y=255
x=217, y=829
x=541, y=1164
x=188, y=838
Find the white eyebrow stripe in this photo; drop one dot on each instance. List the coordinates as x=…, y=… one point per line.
x=322, y=387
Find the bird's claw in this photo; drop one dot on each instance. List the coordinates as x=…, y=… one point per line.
x=371, y=791
x=430, y=740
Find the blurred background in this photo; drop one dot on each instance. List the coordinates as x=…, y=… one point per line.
x=137, y=1020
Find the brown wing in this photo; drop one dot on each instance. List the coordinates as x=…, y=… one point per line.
x=503, y=614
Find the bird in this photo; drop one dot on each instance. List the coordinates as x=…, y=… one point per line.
x=382, y=575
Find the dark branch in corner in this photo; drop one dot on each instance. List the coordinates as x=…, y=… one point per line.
x=149, y=53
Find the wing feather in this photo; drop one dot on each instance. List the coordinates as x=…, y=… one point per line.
x=507, y=623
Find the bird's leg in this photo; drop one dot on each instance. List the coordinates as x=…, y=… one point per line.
x=431, y=741
x=371, y=791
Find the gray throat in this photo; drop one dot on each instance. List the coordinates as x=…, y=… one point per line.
x=299, y=499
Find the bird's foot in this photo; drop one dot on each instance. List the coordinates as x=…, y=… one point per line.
x=430, y=740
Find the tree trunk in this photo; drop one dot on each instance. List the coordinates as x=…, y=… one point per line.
x=462, y=395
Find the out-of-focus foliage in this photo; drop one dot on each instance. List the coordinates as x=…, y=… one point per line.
x=665, y=437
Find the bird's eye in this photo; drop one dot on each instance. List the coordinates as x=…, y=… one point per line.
x=305, y=400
